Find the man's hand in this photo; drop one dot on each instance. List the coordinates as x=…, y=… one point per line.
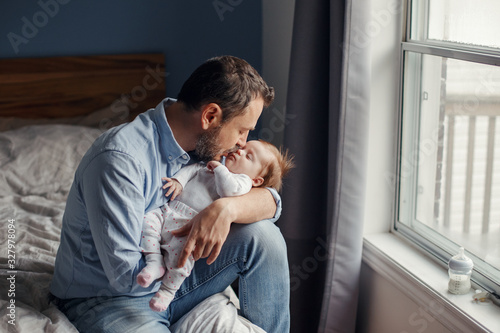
x=207, y=233
x=209, y=229
x=175, y=187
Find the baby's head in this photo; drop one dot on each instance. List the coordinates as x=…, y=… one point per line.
x=265, y=164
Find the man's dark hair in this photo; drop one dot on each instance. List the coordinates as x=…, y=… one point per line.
x=227, y=81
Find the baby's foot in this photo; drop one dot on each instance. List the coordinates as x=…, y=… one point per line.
x=149, y=274
x=160, y=301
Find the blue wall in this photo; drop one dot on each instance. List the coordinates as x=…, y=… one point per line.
x=186, y=31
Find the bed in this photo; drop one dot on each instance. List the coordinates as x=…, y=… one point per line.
x=51, y=110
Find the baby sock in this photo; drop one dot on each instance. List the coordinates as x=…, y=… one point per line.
x=161, y=300
x=154, y=270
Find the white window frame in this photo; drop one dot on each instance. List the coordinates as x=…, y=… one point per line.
x=438, y=247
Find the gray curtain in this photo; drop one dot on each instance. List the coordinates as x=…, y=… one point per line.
x=323, y=198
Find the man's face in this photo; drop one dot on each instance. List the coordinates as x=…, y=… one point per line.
x=231, y=135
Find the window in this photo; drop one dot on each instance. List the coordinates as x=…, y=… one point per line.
x=449, y=153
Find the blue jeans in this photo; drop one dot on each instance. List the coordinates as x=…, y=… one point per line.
x=256, y=253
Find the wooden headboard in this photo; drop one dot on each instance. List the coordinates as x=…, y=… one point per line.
x=61, y=87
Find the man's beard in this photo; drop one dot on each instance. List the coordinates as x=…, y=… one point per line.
x=207, y=146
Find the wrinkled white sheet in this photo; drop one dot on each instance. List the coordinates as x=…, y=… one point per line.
x=216, y=314
x=37, y=165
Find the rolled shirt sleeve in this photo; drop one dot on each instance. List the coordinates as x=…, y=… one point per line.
x=277, y=199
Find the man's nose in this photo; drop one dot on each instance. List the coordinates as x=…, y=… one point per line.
x=242, y=140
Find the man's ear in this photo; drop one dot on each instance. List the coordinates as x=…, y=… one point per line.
x=257, y=181
x=211, y=115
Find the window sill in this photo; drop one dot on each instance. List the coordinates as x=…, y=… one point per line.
x=425, y=282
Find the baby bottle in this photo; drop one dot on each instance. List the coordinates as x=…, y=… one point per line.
x=460, y=269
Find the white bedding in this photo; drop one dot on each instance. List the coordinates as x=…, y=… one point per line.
x=37, y=165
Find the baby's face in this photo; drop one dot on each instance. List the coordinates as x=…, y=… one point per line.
x=249, y=160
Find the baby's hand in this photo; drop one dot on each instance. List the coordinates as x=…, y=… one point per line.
x=213, y=164
x=175, y=187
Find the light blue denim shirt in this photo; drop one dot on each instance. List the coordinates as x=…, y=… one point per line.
x=117, y=181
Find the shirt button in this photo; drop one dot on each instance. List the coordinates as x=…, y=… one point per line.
x=170, y=157
x=184, y=157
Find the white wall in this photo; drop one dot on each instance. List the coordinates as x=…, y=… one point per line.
x=385, y=309
x=384, y=32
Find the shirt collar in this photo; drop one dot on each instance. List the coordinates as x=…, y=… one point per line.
x=169, y=147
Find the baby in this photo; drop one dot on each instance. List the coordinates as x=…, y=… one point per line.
x=193, y=188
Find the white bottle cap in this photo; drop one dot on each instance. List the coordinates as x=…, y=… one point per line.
x=460, y=262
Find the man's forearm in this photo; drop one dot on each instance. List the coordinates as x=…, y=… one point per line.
x=256, y=205
x=208, y=230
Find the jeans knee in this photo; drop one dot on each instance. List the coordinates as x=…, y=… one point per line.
x=266, y=241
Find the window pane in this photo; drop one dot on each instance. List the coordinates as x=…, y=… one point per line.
x=450, y=163
x=464, y=22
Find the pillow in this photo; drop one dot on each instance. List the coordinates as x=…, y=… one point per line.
x=41, y=160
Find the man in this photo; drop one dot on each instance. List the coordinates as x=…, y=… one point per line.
x=119, y=179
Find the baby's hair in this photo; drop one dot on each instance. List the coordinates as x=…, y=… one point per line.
x=278, y=168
